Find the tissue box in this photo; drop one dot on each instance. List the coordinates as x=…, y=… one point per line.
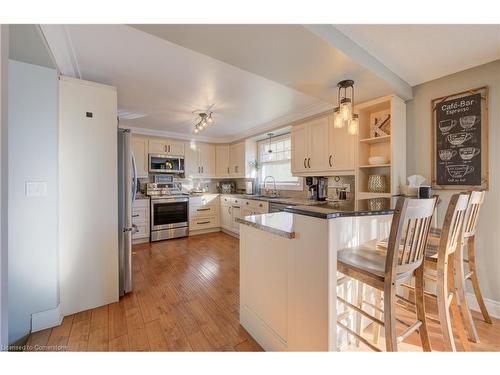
x=409, y=191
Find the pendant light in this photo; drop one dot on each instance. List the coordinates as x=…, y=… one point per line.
x=344, y=113
x=270, y=151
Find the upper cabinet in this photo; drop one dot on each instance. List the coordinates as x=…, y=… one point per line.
x=199, y=160
x=341, y=148
x=140, y=152
x=318, y=149
x=166, y=146
x=242, y=155
x=222, y=166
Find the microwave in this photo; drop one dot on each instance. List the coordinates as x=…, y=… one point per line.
x=160, y=163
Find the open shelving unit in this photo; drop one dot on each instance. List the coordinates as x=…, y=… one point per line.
x=392, y=146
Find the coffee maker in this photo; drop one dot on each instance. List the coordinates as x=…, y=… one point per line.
x=318, y=188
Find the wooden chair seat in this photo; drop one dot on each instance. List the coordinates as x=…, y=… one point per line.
x=367, y=259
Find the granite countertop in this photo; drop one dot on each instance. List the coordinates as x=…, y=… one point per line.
x=279, y=223
x=360, y=207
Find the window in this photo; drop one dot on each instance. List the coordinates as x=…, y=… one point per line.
x=278, y=162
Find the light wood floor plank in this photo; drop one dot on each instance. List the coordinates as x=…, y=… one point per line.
x=185, y=298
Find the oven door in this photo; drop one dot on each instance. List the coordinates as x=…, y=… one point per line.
x=168, y=213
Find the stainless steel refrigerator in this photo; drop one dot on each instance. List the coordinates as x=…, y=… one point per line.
x=127, y=187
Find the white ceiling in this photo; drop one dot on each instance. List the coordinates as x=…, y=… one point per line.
x=258, y=77
x=288, y=54
x=167, y=83
x=421, y=53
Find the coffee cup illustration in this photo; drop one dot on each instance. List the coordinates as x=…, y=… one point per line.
x=467, y=153
x=447, y=154
x=458, y=139
x=447, y=125
x=468, y=122
x=459, y=171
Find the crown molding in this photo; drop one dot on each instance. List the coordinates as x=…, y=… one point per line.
x=61, y=47
x=282, y=121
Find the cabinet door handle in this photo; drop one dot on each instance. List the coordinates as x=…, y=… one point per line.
x=136, y=215
x=229, y=210
x=330, y=161
x=203, y=209
x=247, y=203
x=227, y=170
x=308, y=162
x=201, y=169
x=305, y=160
x=203, y=222
x=236, y=206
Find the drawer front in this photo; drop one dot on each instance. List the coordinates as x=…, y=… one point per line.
x=225, y=200
x=237, y=201
x=140, y=215
x=203, y=211
x=143, y=231
x=204, y=200
x=256, y=205
x=203, y=223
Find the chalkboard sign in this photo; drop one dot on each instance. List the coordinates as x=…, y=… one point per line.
x=458, y=141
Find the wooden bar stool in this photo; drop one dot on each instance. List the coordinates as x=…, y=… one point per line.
x=475, y=202
x=385, y=268
x=441, y=255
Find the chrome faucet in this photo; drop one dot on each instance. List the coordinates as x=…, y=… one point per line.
x=275, y=192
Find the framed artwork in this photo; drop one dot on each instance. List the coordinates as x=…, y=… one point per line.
x=460, y=140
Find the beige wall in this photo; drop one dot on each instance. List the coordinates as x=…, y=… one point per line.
x=419, y=148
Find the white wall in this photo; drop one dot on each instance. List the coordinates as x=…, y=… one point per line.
x=32, y=221
x=419, y=150
x=4, y=45
x=88, y=172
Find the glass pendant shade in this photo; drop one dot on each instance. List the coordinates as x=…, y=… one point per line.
x=338, y=121
x=353, y=127
x=346, y=110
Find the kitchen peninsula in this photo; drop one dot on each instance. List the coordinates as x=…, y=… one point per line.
x=288, y=269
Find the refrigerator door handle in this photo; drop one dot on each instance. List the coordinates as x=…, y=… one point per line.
x=134, y=167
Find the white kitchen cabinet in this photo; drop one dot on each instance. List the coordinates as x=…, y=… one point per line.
x=300, y=154
x=199, y=160
x=204, y=213
x=341, y=148
x=222, y=166
x=140, y=218
x=318, y=145
x=235, y=213
x=166, y=146
x=319, y=148
x=140, y=151
x=225, y=216
x=237, y=159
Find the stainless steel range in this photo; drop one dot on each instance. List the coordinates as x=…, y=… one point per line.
x=169, y=209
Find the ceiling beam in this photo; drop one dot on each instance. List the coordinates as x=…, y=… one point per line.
x=61, y=47
x=337, y=39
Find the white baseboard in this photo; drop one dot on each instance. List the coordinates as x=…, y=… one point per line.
x=46, y=319
x=492, y=306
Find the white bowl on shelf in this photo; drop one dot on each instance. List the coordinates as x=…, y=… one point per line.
x=376, y=160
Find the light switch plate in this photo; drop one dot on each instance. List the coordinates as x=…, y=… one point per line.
x=36, y=188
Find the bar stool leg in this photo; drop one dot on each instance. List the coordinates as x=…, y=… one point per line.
x=471, y=248
x=420, y=309
x=359, y=304
x=377, y=300
x=461, y=299
x=442, y=291
x=390, y=316
x=454, y=310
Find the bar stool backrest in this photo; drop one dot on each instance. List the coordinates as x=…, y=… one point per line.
x=408, y=237
x=453, y=225
x=475, y=202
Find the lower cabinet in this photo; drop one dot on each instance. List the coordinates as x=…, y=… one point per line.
x=204, y=213
x=140, y=218
x=234, y=207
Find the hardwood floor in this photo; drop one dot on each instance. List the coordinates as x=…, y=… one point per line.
x=186, y=299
